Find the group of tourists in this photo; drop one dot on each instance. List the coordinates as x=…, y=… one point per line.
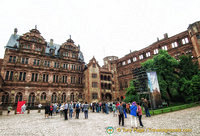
x=64, y=109
x=121, y=109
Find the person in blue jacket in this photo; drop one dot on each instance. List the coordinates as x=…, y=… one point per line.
x=133, y=113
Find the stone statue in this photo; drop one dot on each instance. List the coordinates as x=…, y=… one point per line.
x=15, y=76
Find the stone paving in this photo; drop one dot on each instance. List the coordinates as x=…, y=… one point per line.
x=34, y=124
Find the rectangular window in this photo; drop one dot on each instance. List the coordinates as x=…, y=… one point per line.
x=155, y=51
x=14, y=59
x=44, y=77
x=73, y=55
x=65, y=79
x=148, y=54
x=94, y=75
x=141, y=57
x=94, y=84
x=45, y=63
x=134, y=59
x=55, y=64
x=129, y=61
x=54, y=77
x=48, y=65
x=36, y=77
x=11, y=75
x=34, y=63
x=7, y=75
x=20, y=76
x=174, y=45
x=38, y=62
x=164, y=47
x=94, y=96
x=23, y=60
x=24, y=76
x=10, y=59
x=47, y=78
x=185, y=40
x=26, y=62
x=32, y=78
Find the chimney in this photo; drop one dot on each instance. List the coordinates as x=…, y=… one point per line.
x=15, y=31
x=165, y=36
x=51, y=42
x=157, y=39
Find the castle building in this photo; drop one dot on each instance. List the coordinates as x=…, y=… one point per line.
x=37, y=71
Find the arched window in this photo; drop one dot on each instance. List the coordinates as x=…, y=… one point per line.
x=53, y=98
x=43, y=96
x=5, y=98
x=72, y=97
x=63, y=98
x=105, y=77
x=31, y=99
x=108, y=78
x=18, y=97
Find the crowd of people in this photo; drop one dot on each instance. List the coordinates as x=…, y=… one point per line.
x=121, y=109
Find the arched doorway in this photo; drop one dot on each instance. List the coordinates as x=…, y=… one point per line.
x=18, y=97
x=108, y=96
x=5, y=98
x=53, y=98
x=31, y=99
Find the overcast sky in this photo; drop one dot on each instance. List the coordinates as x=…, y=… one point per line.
x=101, y=27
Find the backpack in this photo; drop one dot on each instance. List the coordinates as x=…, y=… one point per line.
x=77, y=105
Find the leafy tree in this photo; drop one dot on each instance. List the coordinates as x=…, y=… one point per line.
x=165, y=67
x=131, y=94
x=187, y=68
x=188, y=72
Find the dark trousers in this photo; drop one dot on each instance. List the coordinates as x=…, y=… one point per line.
x=50, y=113
x=140, y=120
x=77, y=113
x=147, y=112
x=121, y=117
x=86, y=114
x=65, y=112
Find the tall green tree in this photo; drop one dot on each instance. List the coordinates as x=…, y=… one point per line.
x=131, y=94
x=165, y=67
x=189, y=79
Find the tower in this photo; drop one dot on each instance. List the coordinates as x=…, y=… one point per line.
x=194, y=32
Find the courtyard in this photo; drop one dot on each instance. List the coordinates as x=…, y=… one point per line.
x=34, y=124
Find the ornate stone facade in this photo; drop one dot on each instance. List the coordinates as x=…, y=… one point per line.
x=38, y=72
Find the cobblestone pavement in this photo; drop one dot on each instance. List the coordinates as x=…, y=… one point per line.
x=34, y=124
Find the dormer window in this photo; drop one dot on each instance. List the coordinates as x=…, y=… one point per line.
x=38, y=49
x=65, y=54
x=73, y=55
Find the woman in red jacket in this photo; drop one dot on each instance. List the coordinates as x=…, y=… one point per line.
x=139, y=112
x=51, y=110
